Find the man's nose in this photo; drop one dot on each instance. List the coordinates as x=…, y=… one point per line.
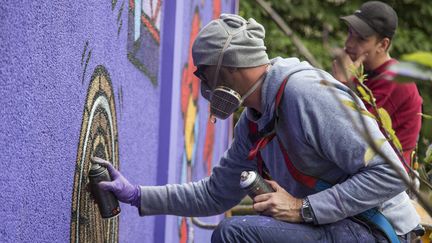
x=349, y=43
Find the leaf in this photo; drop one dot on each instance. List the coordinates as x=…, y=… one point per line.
x=407, y=71
x=428, y=157
x=352, y=105
x=370, y=153
x=358, y=72
x=425, y=116
x=423, y=58
x=364, y=95
x=387, y=125
x=385, y=118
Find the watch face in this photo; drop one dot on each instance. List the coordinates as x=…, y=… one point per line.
x=306, y=212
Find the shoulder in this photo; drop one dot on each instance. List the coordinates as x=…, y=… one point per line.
x=312, y=86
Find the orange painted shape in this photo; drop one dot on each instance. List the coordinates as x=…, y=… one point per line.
x=183, y=231
x=217, y=8
x=151, y=29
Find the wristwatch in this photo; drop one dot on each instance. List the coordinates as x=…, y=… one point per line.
x=306, y=211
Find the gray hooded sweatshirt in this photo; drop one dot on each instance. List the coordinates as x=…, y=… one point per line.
x=321, y=141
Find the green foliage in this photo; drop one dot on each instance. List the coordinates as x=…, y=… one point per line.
x=382, y=116
x=423, y=58
x=310, y=19
x=318, y=25
x=370, y=153
x=428, y=157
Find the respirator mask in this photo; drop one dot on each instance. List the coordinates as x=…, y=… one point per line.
x=224, y=101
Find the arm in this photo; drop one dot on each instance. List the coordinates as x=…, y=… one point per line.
x=209, y=196
x=329, y=131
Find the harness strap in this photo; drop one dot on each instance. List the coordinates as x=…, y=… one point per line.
x=309, y=181
x=376, y=218
x=259, y=141
x=255, y=151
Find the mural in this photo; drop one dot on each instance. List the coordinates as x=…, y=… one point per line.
x=144, y=36
x=189, y=96
x=189, y=110
x=98, y=138
x=77, y=77
x=119, y=14
x=85, y=58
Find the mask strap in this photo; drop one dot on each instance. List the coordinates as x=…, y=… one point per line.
x=219, y=64
x=221, y=55
x=255, y=86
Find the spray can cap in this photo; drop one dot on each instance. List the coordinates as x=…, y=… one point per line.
x=247, y=178
x=96, y=169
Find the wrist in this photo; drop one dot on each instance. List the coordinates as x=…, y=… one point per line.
x=306, y=211
x=136, y=199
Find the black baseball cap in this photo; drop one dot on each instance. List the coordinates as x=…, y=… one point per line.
x=373, y=17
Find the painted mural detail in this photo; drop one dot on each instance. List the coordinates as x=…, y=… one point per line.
x=189, y=95
x=99, y=137
x=217, y=8
x=119, y=14
x=210, y=129
x=85, y=58
x=120, y=100
x=143, y=43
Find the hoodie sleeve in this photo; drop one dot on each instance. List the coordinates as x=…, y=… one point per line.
x=332, y=134
x=209, y=196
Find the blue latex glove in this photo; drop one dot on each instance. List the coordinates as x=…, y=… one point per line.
x=123, y=190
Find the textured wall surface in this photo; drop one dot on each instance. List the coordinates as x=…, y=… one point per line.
x=196, y=143
x=50, y=52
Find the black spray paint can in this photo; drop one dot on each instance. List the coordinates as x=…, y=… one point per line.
x=254, y=184
x=106, y=201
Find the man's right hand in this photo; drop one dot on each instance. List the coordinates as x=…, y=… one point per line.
x=342, y=65
x=120, y=186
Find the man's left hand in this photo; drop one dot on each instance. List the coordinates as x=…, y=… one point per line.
x=279, y=204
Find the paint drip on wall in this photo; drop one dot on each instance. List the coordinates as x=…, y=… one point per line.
x=99, y=137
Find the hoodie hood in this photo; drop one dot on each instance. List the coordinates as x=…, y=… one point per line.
x=280, y=69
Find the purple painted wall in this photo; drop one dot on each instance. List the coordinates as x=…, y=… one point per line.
x=49, y=52
x=190, y=128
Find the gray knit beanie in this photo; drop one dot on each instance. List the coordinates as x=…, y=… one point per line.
x=231, y=40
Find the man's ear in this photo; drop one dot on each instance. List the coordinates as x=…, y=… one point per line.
x=384, y=44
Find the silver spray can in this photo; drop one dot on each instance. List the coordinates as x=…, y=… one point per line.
x=254, y=184
x=108, y=204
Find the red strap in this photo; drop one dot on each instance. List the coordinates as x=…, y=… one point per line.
x=309, y=181
x=253, y=128
x=280, y=93
x=261, y=143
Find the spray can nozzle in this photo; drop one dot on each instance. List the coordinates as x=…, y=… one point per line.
x=254, y=184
